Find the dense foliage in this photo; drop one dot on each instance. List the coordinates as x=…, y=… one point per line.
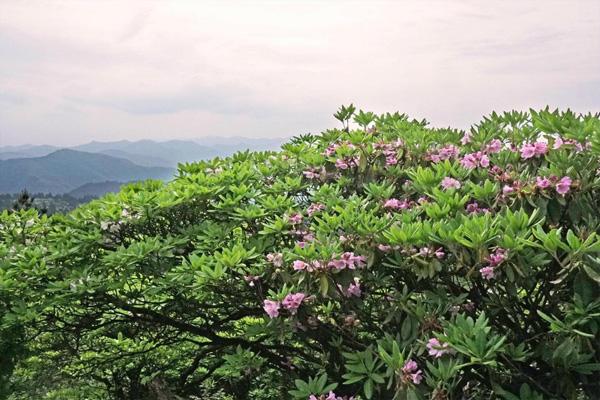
x=382, y=260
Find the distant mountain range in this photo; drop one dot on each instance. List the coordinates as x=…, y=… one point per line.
x=96, y=168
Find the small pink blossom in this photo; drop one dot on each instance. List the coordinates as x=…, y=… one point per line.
x=542, y=182
x=558, y=142
x=436, y=348
x=469, y=161
x=291, y=302
x=507, y=189
x=412, y=372
x=472, y=207
x=494, y=147
x=310, y=174
x=564, y=185
x=295, y=219
x=395, y=204
x=271, y=308
x=354, y=289
x=466, y=138
x=341, y=164
x=540, y=148
x=337, y=264
x=299, y=265
x=276, y=259
x=527, y=151
x=384, y=247
x=417, y=377
x=410, y=366
x=497, y=257
x=450, y=183
x=391, y=160
x=484, y=161
x=487, y=272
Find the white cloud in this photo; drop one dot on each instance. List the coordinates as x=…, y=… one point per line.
x=110, y=69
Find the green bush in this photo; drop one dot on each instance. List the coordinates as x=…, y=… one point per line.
x=383, y=260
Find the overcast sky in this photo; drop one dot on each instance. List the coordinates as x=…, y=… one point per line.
x=76, y=71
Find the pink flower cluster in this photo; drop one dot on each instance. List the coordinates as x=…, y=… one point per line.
x=395, y=204
x=466, y=139
x=431, y=252
x=474, y=160
x=314, y=208
x=562, y=185
x=291, y=302
x=347, y=260
x=494, y=260
x=313, y=173
x=495, y=146
x=276, y=259
x=354, y=289
x=390, y=151
x=295, y=219
x=473, y=208
x=437, y=349
x=345, y=163
x=330, y=396
x=530, y=150
x=445, y=153
x=450, y=183
x=411, y=372
x=559, y=142
x=332, y=148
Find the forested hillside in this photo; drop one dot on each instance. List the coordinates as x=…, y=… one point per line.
x=65, y=170
x=383, y=259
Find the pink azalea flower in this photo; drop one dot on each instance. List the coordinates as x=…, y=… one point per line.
x=484, y=161
x=450, y=183
x=354, y=289
x=393, y=204
x=494, y=147
x=384, y=247
x=528, y=151
x=271, y=308
x=469, y=161
x=276, y=259
x=337, y=264
x=472, y=207
x=292, y=301
x=341, y=164
x=542, y=182
x=540, y=148
x=497, y=257
x=439, y=253
x=436, y=348
x=412, y=372
x=391, y=160
x=310, y=174
x=448, y=152
x=410, y=366
x=299, y=265
x=295, y=219
x=558, y=142
x=564, y=185
x=353, y=261
x=417, y=377
x=466, y=138
x=507, y=189
x=487, y=272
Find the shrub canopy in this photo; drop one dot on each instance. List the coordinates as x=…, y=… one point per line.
x=382, y=260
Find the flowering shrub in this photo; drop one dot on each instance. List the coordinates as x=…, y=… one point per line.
x=384, y=260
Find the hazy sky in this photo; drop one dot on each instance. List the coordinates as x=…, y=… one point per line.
x=76, y=71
